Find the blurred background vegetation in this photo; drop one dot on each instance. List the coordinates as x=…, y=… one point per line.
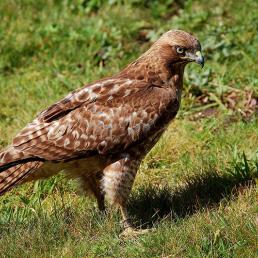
x=197, y=186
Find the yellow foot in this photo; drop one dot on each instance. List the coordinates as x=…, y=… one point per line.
x=132, y=232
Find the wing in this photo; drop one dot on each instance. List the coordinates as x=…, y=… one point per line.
x=103, y=118
x=89, y=93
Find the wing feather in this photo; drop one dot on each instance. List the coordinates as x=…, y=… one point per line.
x=111, y=118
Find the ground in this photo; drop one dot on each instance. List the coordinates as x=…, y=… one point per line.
x=197, y=187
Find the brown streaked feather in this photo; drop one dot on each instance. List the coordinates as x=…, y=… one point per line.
x=103, y=127
x=103, y=91
x=16, y=175
x=88, y=94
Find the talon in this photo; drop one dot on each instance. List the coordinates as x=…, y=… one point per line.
x=126, y=223
x=129, y=230
x=132, y=232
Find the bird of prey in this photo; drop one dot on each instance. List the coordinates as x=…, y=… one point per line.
x=101, y=132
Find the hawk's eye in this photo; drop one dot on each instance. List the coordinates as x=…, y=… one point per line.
x=180, y=50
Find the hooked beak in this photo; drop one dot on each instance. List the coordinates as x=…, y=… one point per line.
x=197, y=57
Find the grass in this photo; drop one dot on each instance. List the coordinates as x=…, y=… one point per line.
x=197, y=187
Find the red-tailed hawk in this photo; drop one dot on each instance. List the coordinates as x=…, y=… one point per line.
x=101, y=132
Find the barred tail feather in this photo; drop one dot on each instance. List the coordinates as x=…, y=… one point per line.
x=9, y=156
x=14, y=175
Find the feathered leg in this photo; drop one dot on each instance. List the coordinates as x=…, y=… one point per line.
x=92, y=183
x=117, y=184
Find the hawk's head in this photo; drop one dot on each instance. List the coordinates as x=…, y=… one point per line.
x=178, y=46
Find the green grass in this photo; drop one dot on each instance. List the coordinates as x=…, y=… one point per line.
x=197, y=187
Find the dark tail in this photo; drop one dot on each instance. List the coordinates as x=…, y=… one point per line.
x=14, y=172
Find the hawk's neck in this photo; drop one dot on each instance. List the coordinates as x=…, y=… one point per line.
x=155, y=71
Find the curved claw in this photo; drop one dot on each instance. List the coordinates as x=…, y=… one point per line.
x=131, y=232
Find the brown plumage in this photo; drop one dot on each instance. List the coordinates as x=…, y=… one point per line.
x=101, y=132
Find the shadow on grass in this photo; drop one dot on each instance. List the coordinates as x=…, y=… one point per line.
x=149, y=205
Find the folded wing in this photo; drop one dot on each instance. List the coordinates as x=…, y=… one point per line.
x=102, y=118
